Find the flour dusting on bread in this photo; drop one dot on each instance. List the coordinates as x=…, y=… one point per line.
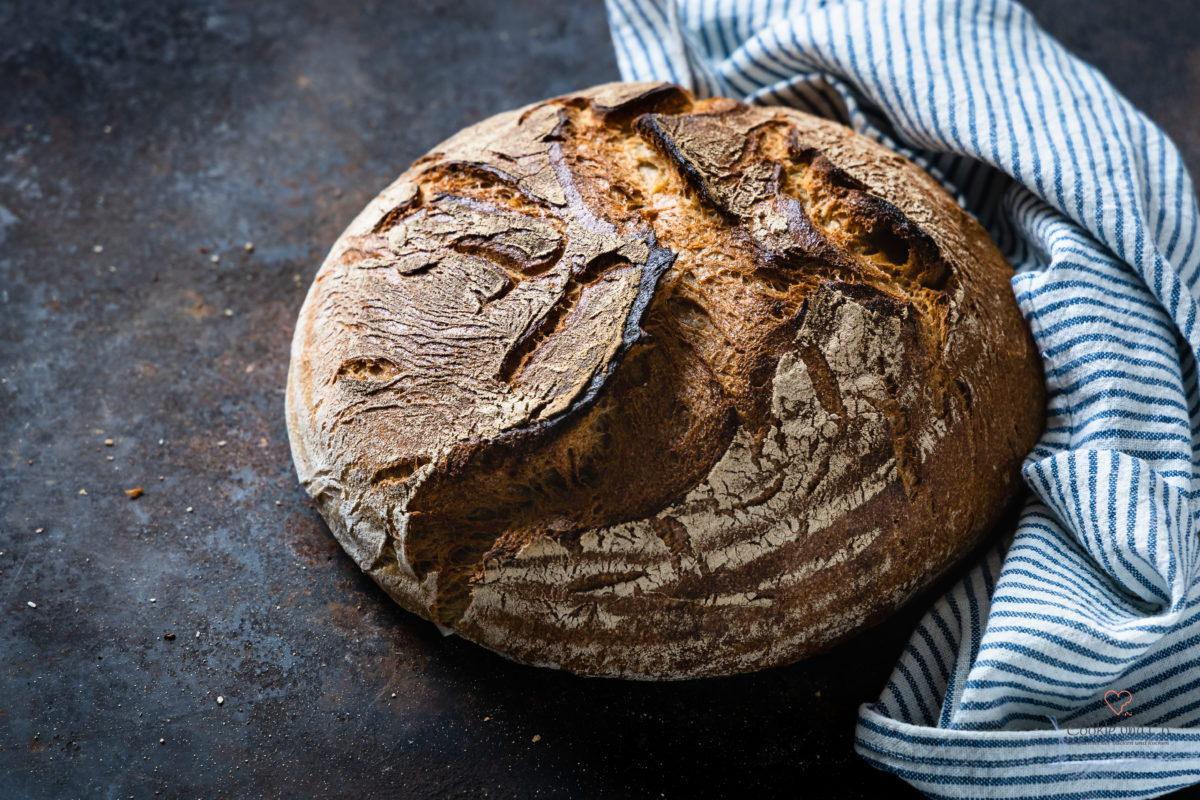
x=638, y=385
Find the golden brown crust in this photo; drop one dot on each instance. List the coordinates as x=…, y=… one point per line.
x=643, y=386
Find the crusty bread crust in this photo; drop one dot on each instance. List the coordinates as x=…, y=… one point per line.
x=636, y=385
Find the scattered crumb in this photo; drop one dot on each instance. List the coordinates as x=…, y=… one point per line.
x=220, y=700
x=31, y=604
x=249, y=247
x=97, y=248
x=197, y=634
x=214, y=258
x=83, y=491
x=108, y=442
x=537, y=737
x=229, y=312
x=153, y=599
x=161, y=478
x=135, y=492
x=39, y=530
x=110, y=458
x=487, y=719
x=393, y=694
x=170, y=637
x=189, y=509
x=161, y=741
x=160, y=442
x=222, y=443
x=278, y=502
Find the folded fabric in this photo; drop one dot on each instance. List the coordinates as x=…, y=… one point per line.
x=1063, y=665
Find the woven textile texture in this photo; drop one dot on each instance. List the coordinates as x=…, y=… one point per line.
x=1067, y=663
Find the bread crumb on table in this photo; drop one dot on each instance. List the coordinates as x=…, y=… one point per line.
x=135, y=492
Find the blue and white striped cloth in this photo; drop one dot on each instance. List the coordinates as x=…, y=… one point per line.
x=1009, y=684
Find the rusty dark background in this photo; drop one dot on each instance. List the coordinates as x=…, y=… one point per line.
x=142, y=144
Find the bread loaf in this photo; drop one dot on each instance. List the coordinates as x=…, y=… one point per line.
x=636, y=385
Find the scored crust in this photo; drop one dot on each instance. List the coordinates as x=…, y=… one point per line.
x=637, y=385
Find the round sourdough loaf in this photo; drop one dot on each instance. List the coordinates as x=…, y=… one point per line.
x=637, y=385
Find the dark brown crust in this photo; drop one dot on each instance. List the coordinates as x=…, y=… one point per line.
x=637, y=385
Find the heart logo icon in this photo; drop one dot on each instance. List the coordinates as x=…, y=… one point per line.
x=1113, y=696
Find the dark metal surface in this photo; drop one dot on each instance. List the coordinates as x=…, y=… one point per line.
x=140, y=140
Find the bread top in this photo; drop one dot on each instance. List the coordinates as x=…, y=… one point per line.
x=626, y=306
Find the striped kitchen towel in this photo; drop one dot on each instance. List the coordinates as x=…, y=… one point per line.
x=1067, y=664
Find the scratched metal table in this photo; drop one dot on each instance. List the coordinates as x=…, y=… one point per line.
x=209, y=637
